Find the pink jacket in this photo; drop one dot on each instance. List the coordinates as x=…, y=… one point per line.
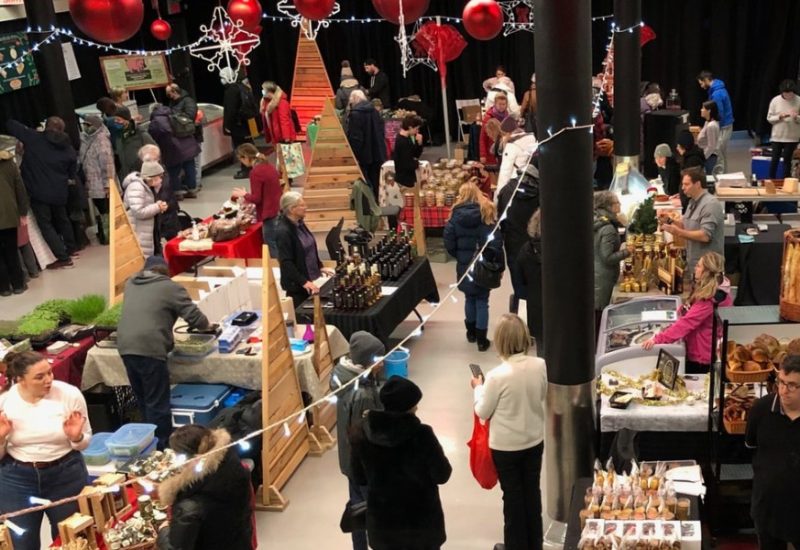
x=694, y=327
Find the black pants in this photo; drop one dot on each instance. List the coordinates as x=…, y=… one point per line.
x=102, y=226
x=56, y=228
x=149, y=379
x=519, y=473
x=298, y=297
x=11, y=276
x=768, y=542
x=693, y=367
x=372, y=173
x=785, y=150
x=237, y=139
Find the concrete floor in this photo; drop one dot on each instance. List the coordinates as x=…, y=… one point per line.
x=317, y=491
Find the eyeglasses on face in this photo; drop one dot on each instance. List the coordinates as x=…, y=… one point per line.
x=788, y=386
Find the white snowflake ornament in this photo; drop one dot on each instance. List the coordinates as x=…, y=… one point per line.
x=224, y=45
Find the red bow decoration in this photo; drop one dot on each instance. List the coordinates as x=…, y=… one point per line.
x=443, y=43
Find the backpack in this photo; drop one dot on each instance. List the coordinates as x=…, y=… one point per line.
x=182, y=125
x=296, y=121
x=248, y=108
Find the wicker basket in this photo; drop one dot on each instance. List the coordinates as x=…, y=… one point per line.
x=790, y=276
x=747, y=377
x=734, y=427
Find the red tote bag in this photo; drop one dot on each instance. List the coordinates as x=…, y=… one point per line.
x=480, y=456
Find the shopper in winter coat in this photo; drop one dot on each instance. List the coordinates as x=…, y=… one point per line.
x=97, y=164
x=668, y=169
x=238, y=107
x=277, y=114
x=131, y=139
x=351, y=406
x=517, y=147
x=49, y=162
x=607, y=251
x=142, y=206
x=784, y=115
x=471, y=221
x=402, y=464
x=181, y=102
x=694, y=326
x=407, y=150
x=499, y=112
x=515, y=225
x=708, y=138
x=529, y=264
x=265, y=192
x=512, y=398
x=365, y=135
x=13, y=213
x=177, y=153
x=211, y=500
x=718, y=93
x=153, y=303
x=347, y=85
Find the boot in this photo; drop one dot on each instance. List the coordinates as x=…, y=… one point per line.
x=101, y=233
x=470, y=331
x=483, y=342
x=513, y=304
x=106, y=227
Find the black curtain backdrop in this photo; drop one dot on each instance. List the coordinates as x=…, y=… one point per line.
x=749, y=44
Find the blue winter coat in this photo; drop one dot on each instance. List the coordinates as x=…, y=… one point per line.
x=719, y=94
x=464, y=233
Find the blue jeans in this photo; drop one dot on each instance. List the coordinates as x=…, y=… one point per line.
x=476, y=310
x=358, y=494
x=149, y=379
x=711, y=162
x=189, y=175
x=268, y=232
x=18, y=483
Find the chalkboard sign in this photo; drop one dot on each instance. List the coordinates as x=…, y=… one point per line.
x=17, y=70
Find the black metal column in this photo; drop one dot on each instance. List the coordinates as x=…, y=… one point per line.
x=563, y=70
x=52, y=71
x=627, y=76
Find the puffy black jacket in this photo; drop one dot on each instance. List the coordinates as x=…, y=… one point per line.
x=464, y=233
x=529, y=263
x=48, y=164
x=524, y=205
x=211, y=510
x=402, y=464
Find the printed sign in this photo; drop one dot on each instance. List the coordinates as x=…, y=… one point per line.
x=17, y=70
x=135, y=72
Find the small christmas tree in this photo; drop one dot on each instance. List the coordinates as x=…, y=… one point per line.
x=644, y=219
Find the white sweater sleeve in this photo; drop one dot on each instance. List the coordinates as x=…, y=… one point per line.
x=507, y=166
x=486, y=397
x=773, y=114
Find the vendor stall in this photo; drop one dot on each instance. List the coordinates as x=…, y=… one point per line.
x=756, y=258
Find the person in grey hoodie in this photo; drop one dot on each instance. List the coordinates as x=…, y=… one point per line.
x=153, y=302
x=351, y=405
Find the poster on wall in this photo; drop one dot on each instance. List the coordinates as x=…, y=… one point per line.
x=11, y=2
x=73, y=72
x=135, y=72
x=17, y=71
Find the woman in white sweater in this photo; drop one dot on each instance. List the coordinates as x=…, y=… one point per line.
x=518, y=147
x=708, y=138
x=784, y=115
x=512, y=397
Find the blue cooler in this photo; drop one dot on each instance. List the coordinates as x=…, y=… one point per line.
x=196, y=403
x=396, y=363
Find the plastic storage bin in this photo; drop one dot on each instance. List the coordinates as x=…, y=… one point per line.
x=96, y=454
x=396, y=363
x=195, y=345
x=120, y=460
x=131, y=439
x=196, y=403
x=236, y=395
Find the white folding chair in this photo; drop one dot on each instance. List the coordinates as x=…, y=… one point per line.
x=460, y=104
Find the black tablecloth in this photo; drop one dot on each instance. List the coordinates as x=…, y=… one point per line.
x=574, y=523
x=758, y=263
x=415, y=285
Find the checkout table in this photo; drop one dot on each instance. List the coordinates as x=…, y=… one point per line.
x=413, y=286
x=104, y=366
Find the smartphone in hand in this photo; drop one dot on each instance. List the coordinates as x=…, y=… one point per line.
x=476, y=371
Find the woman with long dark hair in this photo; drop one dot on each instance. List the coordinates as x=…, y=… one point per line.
x=708, y=138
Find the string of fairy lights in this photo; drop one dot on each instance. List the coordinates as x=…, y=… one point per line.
x=299, y=416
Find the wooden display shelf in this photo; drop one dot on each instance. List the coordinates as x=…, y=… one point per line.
x=125, y=254
x=311, y=86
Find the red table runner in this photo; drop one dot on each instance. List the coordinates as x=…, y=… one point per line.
x=432, y=216
x=245, y=246
x=68, y=365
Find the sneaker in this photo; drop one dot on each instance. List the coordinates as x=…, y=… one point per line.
x=20, y=290
x=61, y=264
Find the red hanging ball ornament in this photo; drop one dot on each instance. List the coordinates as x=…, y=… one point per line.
x=249, y=12
x=315, y=10
x=160, y=29
x=108, y=21
x=483, y=19
x=390, y=10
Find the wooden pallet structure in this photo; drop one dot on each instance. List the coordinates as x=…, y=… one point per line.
x=125, y=253
x=324, y=415
x=281, y=453
x=311, y=86
x=330, y=175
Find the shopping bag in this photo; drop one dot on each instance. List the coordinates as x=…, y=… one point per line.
x=293, y=159
x=480, y=456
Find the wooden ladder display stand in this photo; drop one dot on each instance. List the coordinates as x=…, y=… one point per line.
x=5, y=538
x=126, y=257
x=324, y=415
x=311, y=86
x=330, y=174
x=77, y=527
x=280, y=394
x=419, y=226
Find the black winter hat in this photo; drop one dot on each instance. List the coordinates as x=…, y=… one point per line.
x=399, y=394
x=685, y=139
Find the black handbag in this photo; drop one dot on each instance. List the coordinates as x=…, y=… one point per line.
x=488, y=272
x=354, y=518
